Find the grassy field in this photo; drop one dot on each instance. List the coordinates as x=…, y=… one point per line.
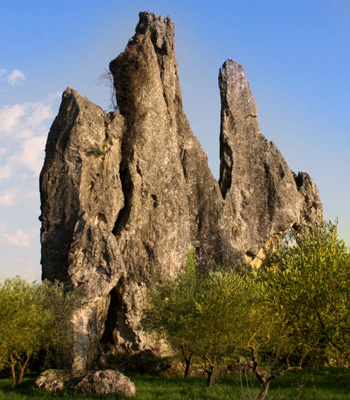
x=320, y=386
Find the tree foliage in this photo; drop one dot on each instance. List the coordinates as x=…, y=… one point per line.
x=308, y=281
x=294, y=309
x=199, y=315
x=35, y=318
x=171, y=314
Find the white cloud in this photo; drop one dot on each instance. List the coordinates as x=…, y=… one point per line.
x=30, y=154
x=10, y=117
x=6, y=171
x=15, y=77
x=24, y=120
x=14, y=195
x=18, y=239
x=34, y=194
x=8, y=197
x=39, y=112
x=23, y=133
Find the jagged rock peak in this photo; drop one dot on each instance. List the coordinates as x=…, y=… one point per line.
x=235, y=90
x=262, y=197
x=160, y=29
x=149, y=55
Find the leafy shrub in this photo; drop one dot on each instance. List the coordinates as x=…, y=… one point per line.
x=35, y=318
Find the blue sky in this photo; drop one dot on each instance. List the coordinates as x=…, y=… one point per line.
x=296, y=56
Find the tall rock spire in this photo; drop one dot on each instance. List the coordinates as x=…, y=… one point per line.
x=126, y=195
x=262, y=198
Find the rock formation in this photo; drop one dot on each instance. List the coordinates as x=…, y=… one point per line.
x=126, y=195
x=262, y=195
x=106, y=382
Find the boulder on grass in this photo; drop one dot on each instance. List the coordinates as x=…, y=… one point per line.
x=108, y=381
x=52, y=380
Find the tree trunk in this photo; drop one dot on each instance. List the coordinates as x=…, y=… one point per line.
x=188, y=365
x=264, y=388
x=19, y=375
x=209, y=376
x=21, y=368
x=13, y=372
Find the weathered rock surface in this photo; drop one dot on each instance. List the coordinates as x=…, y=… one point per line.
x=81, y=197
x=262, y=195
x=125, y=196
x=53, y=380
x=105, y=382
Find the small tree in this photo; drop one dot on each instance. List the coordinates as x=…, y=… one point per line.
x=300, y=308
x=170, y=313
x=268, y=344
x=221, y=303
x=34, y=318
x=296, y=308
x=308, y=280
x=21, y=330
x=199, y=315
x=235, y=318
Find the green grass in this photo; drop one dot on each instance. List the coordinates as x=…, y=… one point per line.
x=320, y=386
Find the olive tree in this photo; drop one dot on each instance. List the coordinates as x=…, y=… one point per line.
x=34, y=318
x=199, y=315
x=21, y=329
x=170, y=313
x=221, y=304
x=295, y=308
x=308, y=281
x=268, y=344
x=300, y=308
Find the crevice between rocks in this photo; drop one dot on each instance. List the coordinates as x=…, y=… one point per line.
x=115, y=326
x=128, y=188
x=271, y=191
x=226, y=166
x=299, y=180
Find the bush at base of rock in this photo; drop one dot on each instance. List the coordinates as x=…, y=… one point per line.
x=104, y=382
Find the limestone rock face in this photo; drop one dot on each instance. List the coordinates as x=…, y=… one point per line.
x=126, y=195
x=262, y=195
x=81, y=197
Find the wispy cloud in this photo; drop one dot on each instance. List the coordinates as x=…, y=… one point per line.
x=8, y=197
x=24, y=120
x=18, y=239
x=23, y=132
x=13, y=78
x=13, y=195
x=6, y=171
x=30, y=154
